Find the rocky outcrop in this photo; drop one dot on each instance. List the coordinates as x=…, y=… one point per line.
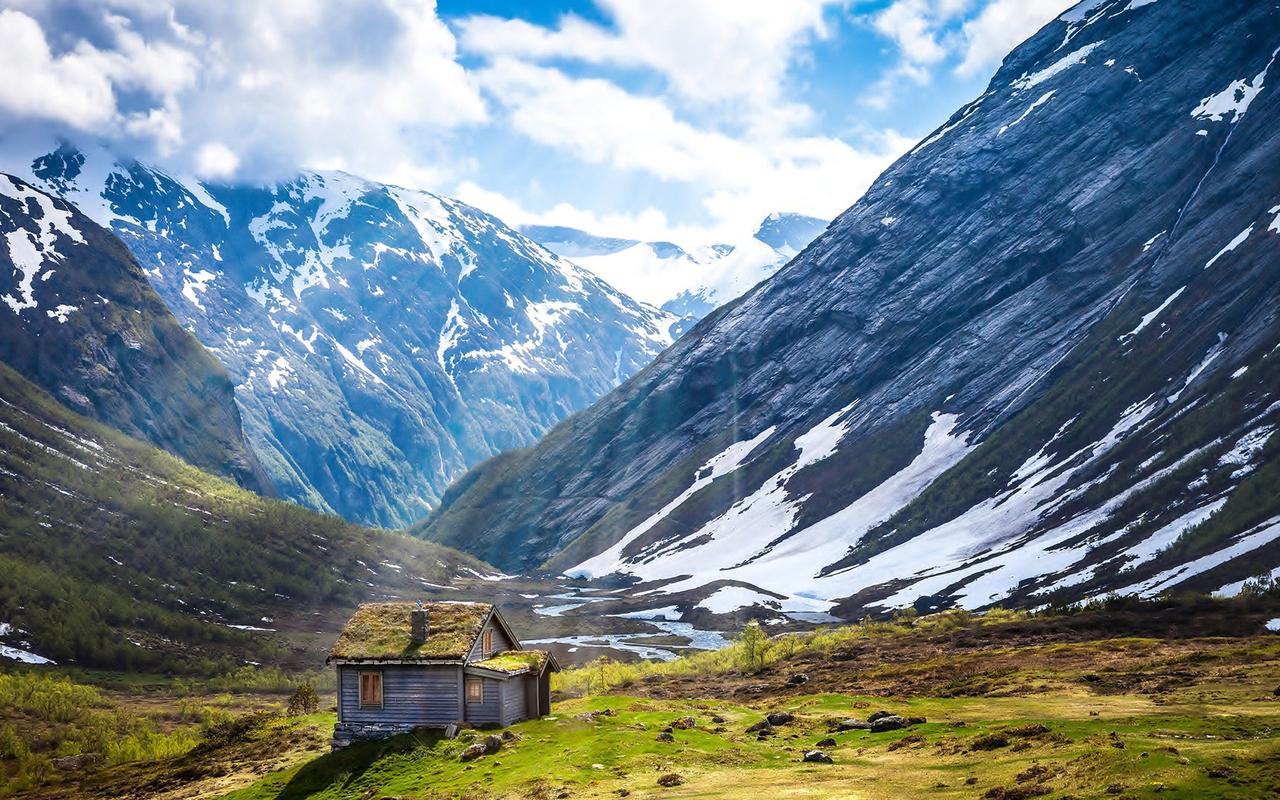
x=78, y=319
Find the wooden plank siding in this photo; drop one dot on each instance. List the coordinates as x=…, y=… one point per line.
x=411, y=695
x=490, y=710
x=500, y=643
x=513, y=700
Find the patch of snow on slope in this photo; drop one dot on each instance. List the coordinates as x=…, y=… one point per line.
x=1247, y=542
x=1231, y=103
x=30, y=251
x=728, y=599
x=1044, y=98
x=1027, y=81
x=195, y=284
x=1231, y=245
x=722, y=463
x=1208, y=359
x=1234, y=588
x=352, y=359
x=792, y=566
x=1149, y=317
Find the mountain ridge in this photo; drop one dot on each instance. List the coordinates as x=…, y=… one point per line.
x=381, y=339
x=810, y=437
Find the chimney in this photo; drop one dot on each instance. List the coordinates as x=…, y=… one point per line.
x=418, y=624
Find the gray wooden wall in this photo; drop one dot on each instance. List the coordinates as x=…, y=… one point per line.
x=411, y=695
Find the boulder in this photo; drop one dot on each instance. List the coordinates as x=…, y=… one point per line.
x=780, y=718
x=665, y=736
x=827, y=742
x=798, y=679
x=685, y=723
x=472, y=752
x=78, y=762
x=817, y=757
x=492, y=744
x=762, y=726
x=875, y=715
x=889, y=723
x=853, y=725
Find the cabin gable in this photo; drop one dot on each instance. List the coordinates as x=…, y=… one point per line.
x=495, y=634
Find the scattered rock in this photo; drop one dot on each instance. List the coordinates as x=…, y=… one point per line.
x=875, y=715
x=798, y=679
x=718, y=720
x=916, y=720
x=762, y=726
x=853, y=725
x=671, y=779
x=492, y=744
x=685, y=723
x=780, y=718
x=665, y=736
x=1034, y=773
x=971, y=780
x=511, y=736
x=817, y=757
x=78, y=762
x=827, y=742
x=887, y=723
x=472, y=752
x=1115, y=788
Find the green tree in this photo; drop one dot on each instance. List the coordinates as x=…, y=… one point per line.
x=752, y=643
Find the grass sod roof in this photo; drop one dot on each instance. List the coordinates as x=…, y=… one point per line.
x=514, y=662
x=381, y=631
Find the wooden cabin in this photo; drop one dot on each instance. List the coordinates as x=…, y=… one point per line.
x=403, y=666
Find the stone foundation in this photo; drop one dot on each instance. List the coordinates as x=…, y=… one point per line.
x=345, y=733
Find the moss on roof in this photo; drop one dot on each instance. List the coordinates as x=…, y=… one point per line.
x=514, y=662
x=382, y=630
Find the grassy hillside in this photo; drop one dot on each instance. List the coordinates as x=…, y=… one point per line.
x=1106, y=702
x=114, y=554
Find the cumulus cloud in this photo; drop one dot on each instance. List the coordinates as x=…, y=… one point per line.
x=929, y=33
x=731, y=55
x=231, y=88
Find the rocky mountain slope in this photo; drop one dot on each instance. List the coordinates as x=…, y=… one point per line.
x=689, y=282
x=381, y=339
x=79, y=318
x=114, y=554
x=1038, y=360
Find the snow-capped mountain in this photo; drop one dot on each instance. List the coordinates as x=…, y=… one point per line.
x=381, y=339
x=1038, y=360
x=687, y=281
x=78, y=318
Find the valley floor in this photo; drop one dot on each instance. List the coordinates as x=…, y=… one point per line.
x=1082, y=706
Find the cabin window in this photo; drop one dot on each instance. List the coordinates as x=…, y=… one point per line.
x=488, y=641
x=371, y=690
x=475, y=690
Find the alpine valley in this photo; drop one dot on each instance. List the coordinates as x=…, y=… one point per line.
x=1038, y=361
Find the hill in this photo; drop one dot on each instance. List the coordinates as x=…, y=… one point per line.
x=79, y=318
x=114, y=554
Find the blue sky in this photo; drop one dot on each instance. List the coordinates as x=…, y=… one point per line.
x=677, y=119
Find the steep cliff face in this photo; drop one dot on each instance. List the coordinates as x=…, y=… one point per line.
x=1037, y=359
x=381, y=339
x=79, y=319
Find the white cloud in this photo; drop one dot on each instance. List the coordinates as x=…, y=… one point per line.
x=1003, y=25
x=69, y=88
x=743, y=179
x=929, y=33
x=364, y=86
x=215, y=160
x=730, y=55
